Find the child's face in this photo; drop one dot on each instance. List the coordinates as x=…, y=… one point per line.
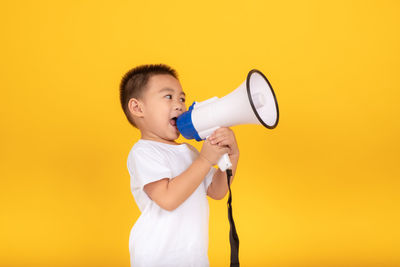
x=163, y=102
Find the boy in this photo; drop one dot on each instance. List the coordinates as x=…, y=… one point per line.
x=170, y=181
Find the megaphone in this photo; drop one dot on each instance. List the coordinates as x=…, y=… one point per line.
x=253, y=102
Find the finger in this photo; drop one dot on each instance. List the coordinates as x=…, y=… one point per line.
x=223, y=139
x=218, y=141
x=222, y=136
x=225, y=143
x=220, y=147
x=215, y=133
x=220, y=131
x=219, y=137
x=212, y=136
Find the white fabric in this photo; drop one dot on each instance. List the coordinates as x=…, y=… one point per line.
x=162, y=238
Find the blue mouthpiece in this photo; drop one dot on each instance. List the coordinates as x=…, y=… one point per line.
x=185, y=125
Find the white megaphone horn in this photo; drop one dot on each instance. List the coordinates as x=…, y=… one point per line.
x=253, y=102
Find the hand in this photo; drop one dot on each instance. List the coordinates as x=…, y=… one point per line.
x=212, y=153
x=225, y=137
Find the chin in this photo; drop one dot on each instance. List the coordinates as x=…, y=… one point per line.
x=175, y=135
x=173, y=138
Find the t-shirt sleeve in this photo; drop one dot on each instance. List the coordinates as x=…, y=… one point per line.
x=146, y=166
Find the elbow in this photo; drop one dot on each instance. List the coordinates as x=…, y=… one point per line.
x=220, y=197
x=169, y=205
x=169, y=208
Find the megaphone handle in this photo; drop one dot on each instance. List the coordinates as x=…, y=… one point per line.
x=224, y=162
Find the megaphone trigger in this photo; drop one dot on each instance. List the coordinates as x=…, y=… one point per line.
x=224, y=162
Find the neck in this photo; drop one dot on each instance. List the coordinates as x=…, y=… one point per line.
x=158, y=139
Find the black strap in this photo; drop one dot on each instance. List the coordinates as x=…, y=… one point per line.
x=233, y=237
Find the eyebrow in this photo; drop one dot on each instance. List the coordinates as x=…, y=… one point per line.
x=170, y=90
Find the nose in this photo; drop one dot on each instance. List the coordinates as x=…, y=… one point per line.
x=179, y=106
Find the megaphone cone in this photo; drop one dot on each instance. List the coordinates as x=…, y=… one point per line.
x=253, y=102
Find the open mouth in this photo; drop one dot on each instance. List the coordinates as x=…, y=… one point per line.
x=173, y=121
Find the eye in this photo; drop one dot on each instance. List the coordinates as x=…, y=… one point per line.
x=168, y=96
x=183, y=99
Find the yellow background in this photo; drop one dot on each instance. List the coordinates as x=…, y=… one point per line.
x=322, y=189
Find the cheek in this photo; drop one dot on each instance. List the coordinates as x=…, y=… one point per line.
x=184, y=107
x=160, y=112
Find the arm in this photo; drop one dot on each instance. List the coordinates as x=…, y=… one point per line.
x=219, y=185
x=170, y=193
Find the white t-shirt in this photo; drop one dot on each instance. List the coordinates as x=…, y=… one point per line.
x=177, y=238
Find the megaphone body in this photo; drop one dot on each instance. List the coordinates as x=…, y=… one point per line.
x=253, y=102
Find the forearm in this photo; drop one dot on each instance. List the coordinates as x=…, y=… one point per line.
x=182, y=186
x=219, y=185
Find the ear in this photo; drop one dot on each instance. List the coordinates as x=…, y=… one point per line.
x=135, y=107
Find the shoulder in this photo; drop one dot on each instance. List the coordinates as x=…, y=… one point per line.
x=146, y=156
x=144, y=148
x=143, y=145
